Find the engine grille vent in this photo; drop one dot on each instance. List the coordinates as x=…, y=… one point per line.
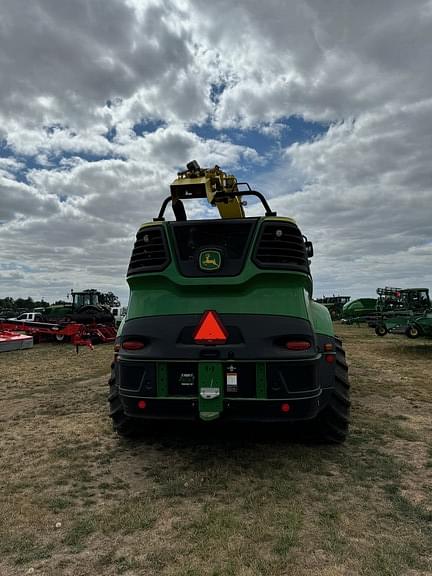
x=230, y=237
x=150, y=253
x=281, y=245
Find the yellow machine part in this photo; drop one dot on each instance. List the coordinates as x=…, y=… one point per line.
x=209, y=183
x=231, y=209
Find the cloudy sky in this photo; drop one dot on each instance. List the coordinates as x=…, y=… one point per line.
x=324, y=106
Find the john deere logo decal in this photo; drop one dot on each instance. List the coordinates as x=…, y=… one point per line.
x=210, y=260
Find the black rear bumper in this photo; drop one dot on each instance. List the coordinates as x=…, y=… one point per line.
x=273, y=384
x=244, y=410
x=250, y=337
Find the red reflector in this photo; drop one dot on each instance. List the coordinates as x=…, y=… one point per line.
x=142, y=404
x=210, y=330
x=298, y=345
x=133, y=345
x=330, y=358
x=285, y=407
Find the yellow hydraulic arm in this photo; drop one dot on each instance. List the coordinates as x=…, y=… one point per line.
x=212, y=183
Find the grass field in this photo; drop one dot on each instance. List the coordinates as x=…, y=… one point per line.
x=77, y=500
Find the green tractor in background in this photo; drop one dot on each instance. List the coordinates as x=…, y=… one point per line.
x=85, y=308
x=398, y=308
x=221, y=324
x=334, y=305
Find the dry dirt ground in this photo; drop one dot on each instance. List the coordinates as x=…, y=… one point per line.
x=77, y=500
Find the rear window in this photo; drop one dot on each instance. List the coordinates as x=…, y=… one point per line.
x=230, y=237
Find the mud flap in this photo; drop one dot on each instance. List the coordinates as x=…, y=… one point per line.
x=210, y=390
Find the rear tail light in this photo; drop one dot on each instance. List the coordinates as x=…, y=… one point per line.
x=330, y=358
x=142, y=404
x=133, y=345
x=285, y=407
x=298, y=345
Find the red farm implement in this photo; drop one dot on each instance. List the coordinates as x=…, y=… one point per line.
x=13, y=341
x=76, y=334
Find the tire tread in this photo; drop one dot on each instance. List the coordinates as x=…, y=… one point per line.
x=331, y=425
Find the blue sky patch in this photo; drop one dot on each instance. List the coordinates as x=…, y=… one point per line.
x=111, y=134
x=216, y=90
x=147, y=126
x=269, y=140
x=285, y=132
x=52, y=161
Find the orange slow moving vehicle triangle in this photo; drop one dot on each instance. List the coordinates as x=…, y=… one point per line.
x=210, y=330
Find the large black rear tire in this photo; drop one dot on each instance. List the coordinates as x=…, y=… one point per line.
x=122, y=424
x=332, y=423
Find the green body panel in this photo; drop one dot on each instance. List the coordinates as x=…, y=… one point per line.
x=253, y=291
x=58, y=311
x=210, y=377
x=359, y=307
x=261, y=380
x=424, y=324
x=266, y=293
x=320, y=318
x=397, y=321
x=278, y=293
x=162, y=379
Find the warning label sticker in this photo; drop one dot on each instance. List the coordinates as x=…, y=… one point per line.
x=231, y=382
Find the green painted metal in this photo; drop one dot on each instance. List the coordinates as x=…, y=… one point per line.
x=396, y=323
x=320, y=318
x=253, y=291
x=423, y=324
x=210, y=377
x=261, y=380
x=162, y=379
x=262, y=293
x=358, y=308
x=58, y=311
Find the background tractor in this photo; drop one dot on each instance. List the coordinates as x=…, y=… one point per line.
x=85, y=308
x=84, y=321
x=221, y=324
x=397, y=308
x=334, y=305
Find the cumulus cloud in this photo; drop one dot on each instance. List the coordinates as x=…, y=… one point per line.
x=99, y=107
x=366, y=198
x=321, y=60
